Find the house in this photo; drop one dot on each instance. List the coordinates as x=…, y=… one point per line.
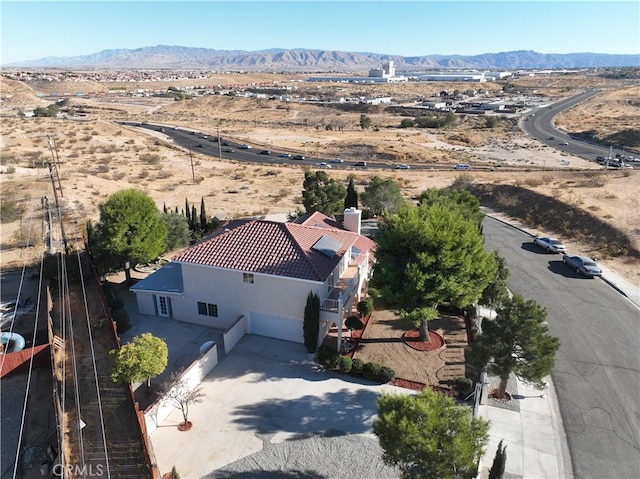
x=263, y=271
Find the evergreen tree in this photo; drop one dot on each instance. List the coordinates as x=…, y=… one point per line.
x=428, y=436
x=516, y=341
x=499, y=463
x=194, y=219
x=322, y=193
x=187, y=210
x=382, y=196
x=164, y=208
x=203, y=217
x=311, y=325
x=351, y=200
x=129, y=230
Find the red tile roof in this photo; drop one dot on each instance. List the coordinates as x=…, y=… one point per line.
x=281, y=249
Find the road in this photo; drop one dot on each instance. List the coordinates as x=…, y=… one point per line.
x=209, y=146
x=597, y=368
x=539, y=124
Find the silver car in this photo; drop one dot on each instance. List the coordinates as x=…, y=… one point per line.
x=582, y=265
x=552, y=245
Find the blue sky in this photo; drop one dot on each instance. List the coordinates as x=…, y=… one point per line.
x=33, y=30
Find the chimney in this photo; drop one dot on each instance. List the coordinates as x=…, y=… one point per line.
x=352, y=219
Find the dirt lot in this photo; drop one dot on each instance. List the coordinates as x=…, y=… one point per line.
x=100, y=157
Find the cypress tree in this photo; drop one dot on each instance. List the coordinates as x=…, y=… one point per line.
x=203, y=216
x=164, y=208
x=351, y=200
x=311, y=325
x=499, y=463
x=193, y=220
x=187, y=210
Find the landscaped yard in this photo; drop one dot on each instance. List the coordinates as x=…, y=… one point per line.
x=382, y=342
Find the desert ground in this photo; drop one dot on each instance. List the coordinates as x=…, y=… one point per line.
x=98, y=157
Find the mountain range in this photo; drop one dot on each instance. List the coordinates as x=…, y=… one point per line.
x=305, y=60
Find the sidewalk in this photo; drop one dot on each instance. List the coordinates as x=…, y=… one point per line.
x=531, y=428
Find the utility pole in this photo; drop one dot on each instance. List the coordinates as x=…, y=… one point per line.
x=57, y=186
x=193, y=173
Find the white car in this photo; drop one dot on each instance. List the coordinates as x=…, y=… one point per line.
x=323, y=164
x=285, y=155
x=552, y=245
x=337, y=160
x=402, y=166
x=461, y=166
x=245, y=147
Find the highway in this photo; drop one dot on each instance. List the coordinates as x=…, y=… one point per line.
x=597, y=368
x=539, y=124
x=209, y=146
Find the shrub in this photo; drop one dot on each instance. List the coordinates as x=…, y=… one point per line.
x=371, y=371
x=353, y=322
x=115, y=302
x=386, y=374
x=462, y=386
x=365, y=307
x=328, y=357
x=356, y=367
x=345, y=364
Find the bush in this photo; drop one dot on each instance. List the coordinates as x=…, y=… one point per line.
x=356, y=367
x=345, y=364
x=371, y=371
x=386, y=374
x=365, y=307
x=328, y=357
x=462, y=386
x=121, y=317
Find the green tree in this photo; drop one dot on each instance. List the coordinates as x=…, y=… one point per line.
x=467, y=203
x=351, y=200
x=499, y=462
x=203, y=217
x=491, y=122
x=381, y=196
x=365, y=122
x=365, y=307
x=178, y=234
x=144, y=357
x=129, y=230
x=430, y=254
x=428, y=436
x=496, y=292
x=420, y=318
x=516, y=341
x=311, y=322
x=322, y=193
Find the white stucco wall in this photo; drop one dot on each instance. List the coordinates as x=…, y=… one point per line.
x=274, y=295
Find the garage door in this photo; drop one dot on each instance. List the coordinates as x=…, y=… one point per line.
x=276, y=327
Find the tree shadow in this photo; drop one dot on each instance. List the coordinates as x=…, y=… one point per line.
x=336, y=413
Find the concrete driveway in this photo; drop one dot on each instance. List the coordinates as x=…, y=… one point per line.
x=269, y=412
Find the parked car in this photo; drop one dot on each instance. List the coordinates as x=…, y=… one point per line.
x=265, y=152
x=552, y=245
x=298, y=157
x=361, y=163
x=582, y=265
x=337, y=160
x=245, y=147
x=285, y=155
x=402, y=166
